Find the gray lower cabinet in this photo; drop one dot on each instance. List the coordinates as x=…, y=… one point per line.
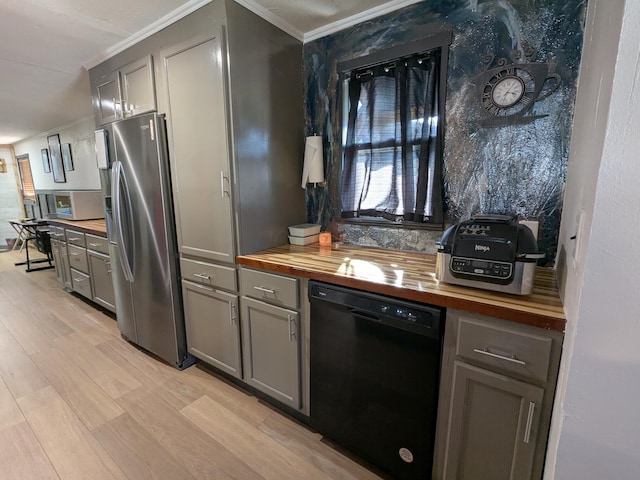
x=57, y=260
x=60, y=255
x=100, y=268
x=496, y=396
x=275, y=326
x=271, y=350
x=83, y=264
x=81, y=283
x=213, y=327
x=494, y=425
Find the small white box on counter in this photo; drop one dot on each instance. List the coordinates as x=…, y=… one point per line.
x=304, y=240
x=304, y=230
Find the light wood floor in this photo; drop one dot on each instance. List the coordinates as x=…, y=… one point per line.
x=77, y=401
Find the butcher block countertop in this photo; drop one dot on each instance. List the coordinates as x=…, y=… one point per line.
x=411, y=276
x=96, y=227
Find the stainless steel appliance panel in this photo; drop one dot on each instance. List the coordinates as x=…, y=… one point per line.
x=148, y=302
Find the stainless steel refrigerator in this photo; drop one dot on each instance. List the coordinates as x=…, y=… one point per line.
x=140, y=224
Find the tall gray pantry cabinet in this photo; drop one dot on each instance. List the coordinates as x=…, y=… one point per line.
x=230, y=86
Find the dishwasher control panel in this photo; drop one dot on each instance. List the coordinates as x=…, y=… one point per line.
x=374, y=307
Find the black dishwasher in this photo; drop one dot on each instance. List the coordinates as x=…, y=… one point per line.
x=375, y=370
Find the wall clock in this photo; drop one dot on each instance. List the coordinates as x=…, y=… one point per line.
x=507, y=92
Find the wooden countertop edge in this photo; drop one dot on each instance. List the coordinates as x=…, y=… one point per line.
x=535, y=316
x=95, y=227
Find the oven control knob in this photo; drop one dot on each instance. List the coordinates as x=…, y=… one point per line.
x=384, y=308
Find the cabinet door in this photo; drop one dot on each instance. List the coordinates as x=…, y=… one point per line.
x=199, y=143
x=271, y=350
x=138, y=90
x=66, y=266
x=57, y=260
x=494, y=426
x=100, y=268
x=213, y=330
x=108, y=98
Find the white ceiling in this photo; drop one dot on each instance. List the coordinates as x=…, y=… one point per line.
x=46, y=46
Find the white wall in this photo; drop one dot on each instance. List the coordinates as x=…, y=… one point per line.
x=10, y=203
x=595, y=432
x=80, y=135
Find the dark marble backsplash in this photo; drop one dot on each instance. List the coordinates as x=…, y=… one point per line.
x=517, y=167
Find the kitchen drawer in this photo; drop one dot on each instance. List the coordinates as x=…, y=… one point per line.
x=78, y=258
x=76, y=238
x=510, y=349
x=81, y=283
x=208, y=274
x=58, y=233
x=269, y=288
x=97, y=244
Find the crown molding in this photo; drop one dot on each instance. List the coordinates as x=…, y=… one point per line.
x=272, y=18
x=259, y=10
x=357, y=18
x=155, y=27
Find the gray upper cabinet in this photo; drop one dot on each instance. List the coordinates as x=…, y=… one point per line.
x=138, y=90
x=199, y=145
x=108, y=98
x=232, y=93
x=496, y=396
x=125, y=92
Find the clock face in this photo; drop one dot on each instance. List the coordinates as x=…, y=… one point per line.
x=509, y=91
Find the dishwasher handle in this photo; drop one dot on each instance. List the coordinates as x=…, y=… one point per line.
x=364, y=315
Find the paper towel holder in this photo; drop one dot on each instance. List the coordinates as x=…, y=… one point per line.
x=313, y=168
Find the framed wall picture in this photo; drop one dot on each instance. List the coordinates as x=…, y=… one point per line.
x=67, y=159
x=45, y=160
x=55, y=153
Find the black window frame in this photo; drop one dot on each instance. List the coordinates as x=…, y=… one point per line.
x=436, y=41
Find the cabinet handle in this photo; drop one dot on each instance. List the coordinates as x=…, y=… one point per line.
x=292, y=323
x=74, y=254
x=527, y=428
x=222, y=190
x=265, y=290
x=499, y=357
x=202, y=276
x=232, y=313
x=96, y=244
x=73, y=239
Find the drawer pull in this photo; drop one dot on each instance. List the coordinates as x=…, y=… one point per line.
x=96, y=244
x=75, y=254
x=202, y=276
x=527, y=428
x=73, y=239
x=265, y=290
x=499, y=357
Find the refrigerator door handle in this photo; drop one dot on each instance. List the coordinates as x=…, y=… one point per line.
x=117, y=180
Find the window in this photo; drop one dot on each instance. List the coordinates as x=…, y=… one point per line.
x=392, y=136
x=26, y=179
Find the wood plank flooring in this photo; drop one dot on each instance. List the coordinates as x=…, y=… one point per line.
x=79, y=402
